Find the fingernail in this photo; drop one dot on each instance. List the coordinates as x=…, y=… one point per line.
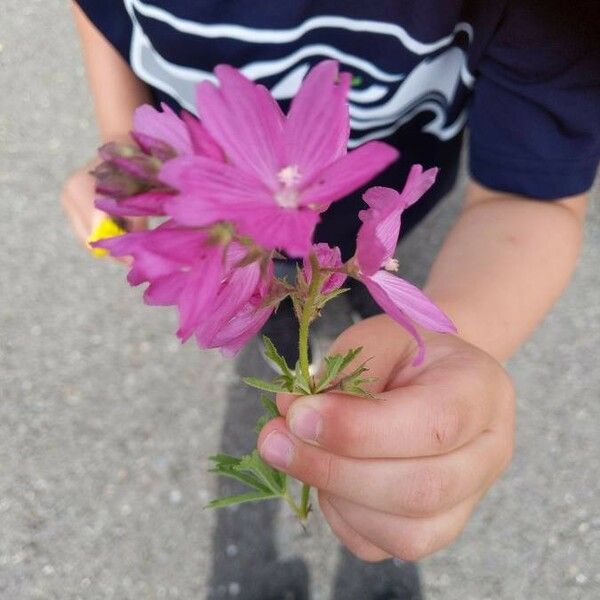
x=305, y=422
x=277, y=449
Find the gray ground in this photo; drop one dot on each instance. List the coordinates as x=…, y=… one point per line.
x=106, y=422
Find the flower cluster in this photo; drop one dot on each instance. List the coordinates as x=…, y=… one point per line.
x=244, y=183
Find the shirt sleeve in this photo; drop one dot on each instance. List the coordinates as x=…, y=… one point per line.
x=112, y=20
x=535, y=112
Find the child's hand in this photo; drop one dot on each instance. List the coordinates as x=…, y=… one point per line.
x=400, y=475
x=78, y=197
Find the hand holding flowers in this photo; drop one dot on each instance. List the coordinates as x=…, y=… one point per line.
x=236, y=189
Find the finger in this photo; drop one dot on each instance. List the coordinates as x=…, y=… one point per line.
x=405, y=538
x=355, y=542
x=284, y=401
x=410, y=487
x=136, y=223
x=416, y=420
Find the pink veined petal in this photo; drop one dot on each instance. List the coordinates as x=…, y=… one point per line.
x=378, y=236
x=348, y=173
x=375, y=242
x=158, y=252
x=386, y=303
x=385, y=216
x=245, y=121
x=202, y=141
x=417, y=183
x=141, y=205
x=204, y=279
x=406, y=304
x=211, y=191
x=318, y=124
x=413, y=302
x=165, y=291
x=232, y=296
x=330, y=258
x=290, y=230
x=240, y=330
x=165, y=126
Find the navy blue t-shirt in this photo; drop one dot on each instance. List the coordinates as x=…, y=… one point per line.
x=523, y=74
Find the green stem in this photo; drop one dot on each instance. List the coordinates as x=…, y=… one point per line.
x=305, y=501
x=308, y=310
x=308, y=313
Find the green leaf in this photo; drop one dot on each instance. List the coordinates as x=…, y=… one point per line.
x=266, y=386
x=224, y=459
x=334, y=365
x=270, y=406
x=268, y=476
x=228, y=466
x=245, y=478
x=354, y=382
x=272, y=354
x=241, y=499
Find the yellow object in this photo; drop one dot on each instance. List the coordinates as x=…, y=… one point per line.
x=107, y=228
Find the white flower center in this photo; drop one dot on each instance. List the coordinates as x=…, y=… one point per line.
x=391, y=264
x=287, y=195
x=289, y=176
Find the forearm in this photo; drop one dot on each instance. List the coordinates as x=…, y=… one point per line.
x=504, y=264
x=116, y=90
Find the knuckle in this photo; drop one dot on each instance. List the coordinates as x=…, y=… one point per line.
x=321, y=471
x=428, y=491
x=445, y=427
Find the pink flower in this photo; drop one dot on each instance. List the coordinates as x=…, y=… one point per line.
x=129, y=176
x=242, y=321
x=327, y=258
x=375, y=247
x=199, y=272
x=280, y=172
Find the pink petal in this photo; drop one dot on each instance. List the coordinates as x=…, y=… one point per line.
x=214, y=192
x=407, y=304
x=413, y=302
x=328, y=258
x=204, y=279
x=417, y=183
x=140, y=205
x=230, y=300
x=240, y=330
x=245, y=121
x=348, y=173
x=318, y=125
x=203, y=143
x=211, y=191
x=165, y=291
x=165, y=126
x=290, y=230
x=378, y=235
